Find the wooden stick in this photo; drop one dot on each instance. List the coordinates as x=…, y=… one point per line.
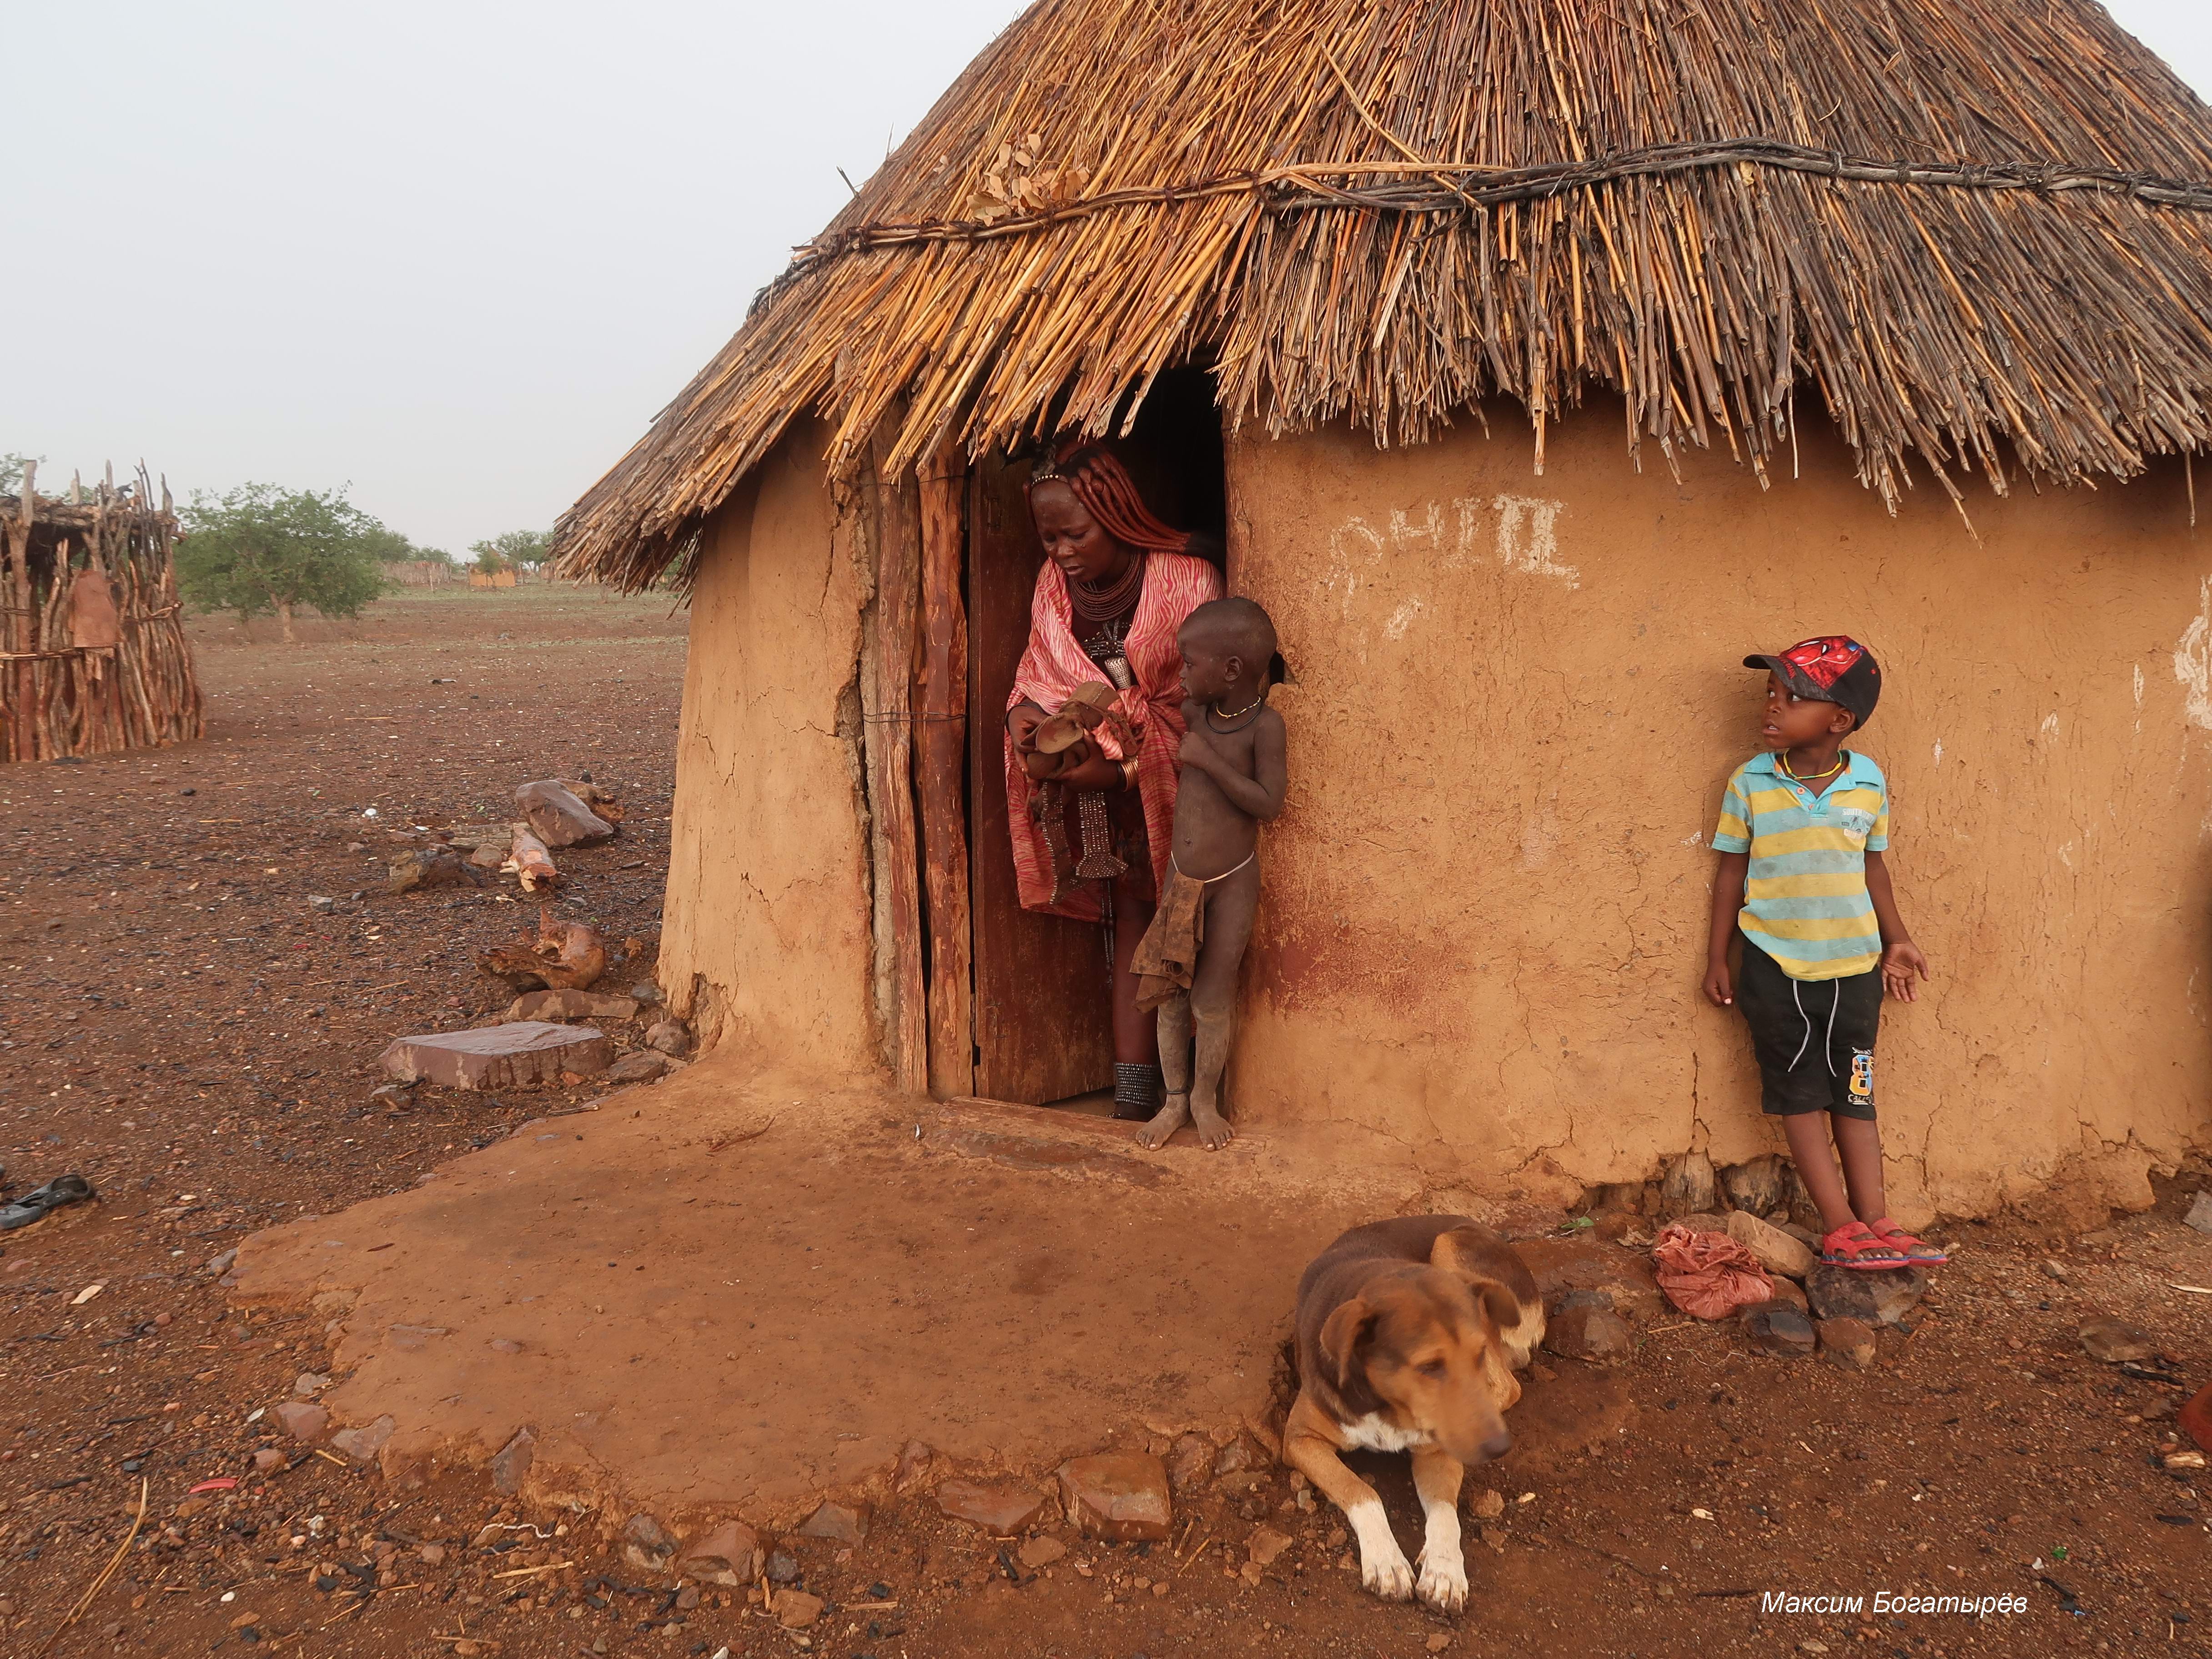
x=940, y=774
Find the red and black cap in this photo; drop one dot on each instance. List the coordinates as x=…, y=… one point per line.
x=1833, y=668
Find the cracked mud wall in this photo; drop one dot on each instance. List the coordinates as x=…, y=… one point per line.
x=1485, y=909
x=767, y=892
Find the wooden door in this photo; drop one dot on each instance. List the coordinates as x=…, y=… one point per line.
x=1043, y=1024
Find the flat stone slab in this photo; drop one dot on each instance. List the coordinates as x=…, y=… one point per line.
x=1123, y=1496
x=571, y=1003
x=510, y=1056
x=1005, y=1508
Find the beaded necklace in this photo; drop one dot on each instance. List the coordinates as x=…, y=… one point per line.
x=1105, y=604
x=1842, y=760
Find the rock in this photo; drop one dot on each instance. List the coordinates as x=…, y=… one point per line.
x=430, y=1555
x=668, y=1036
x=2116, y=1342
x=362, y=1445
x=308, y=1384
x=511, y=1056
x=2182, y=1462
x=643, y=1067
x=1686, y=1185
x=1120, y=1496
x=1881, y=1296
x=1484, y=1504
x=1776, y=1327
x=316, y=902
x=1265, y=1545
x=1703, y=1221
x=1755, y=1185
x=645, y=994
x=1234, y=1455
x=1042, y=1551
x=687, y=1598
x=1846, y=1342
x=393, y=1096
x=2052, y=1270
x=796, y=1609
x=1595, y=1335
x=1789, y=1290
x=511, y=1464
x=914, y=1460
x=729, y=1556
x=847, y=1523
x=571, y=1003
x=647, y=1544
x=1191, y=1463
x=1777, y=1251
x=558, y=817
x=1563, y=1265
x=268, y=1458
x=1804, y=1236
x=305, y=1423
x=782, y=1568
x=1005, y=1508
x=2195, y=1418
x=219, y=1265
x=2200, y=1212
x=434, y=865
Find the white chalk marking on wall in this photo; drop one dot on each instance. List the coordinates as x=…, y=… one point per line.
x=2192, y=661
x=2139, y=685
x=2066, y=855
x=1698, y=840
x=1402, y=618
x=2049, y=726
x=1528, y=537
x=1938, y=761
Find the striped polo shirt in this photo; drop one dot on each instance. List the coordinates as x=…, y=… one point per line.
x=1805, y=899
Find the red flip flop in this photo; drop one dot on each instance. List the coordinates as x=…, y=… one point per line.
x=1853, y=1244
x=1918, y=1252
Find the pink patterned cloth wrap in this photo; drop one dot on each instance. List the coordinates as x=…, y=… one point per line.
x=1176, y=584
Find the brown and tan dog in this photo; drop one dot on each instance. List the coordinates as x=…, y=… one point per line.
x=1409, y=1333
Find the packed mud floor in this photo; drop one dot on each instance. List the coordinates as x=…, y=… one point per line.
x=826, y=1294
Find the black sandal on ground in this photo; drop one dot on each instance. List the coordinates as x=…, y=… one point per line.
x=36, y=1206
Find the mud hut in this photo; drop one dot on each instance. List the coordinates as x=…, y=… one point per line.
x=93, y=657
x=1536, y=362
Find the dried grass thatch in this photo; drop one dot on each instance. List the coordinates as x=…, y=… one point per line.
x=1975, y=225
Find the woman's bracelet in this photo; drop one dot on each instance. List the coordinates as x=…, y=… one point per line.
x=1129, y=773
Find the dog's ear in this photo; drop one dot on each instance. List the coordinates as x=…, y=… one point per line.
x=1498, y=1301
x=1341, y=1336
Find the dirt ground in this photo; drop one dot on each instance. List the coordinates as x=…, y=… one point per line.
x=180, y=1025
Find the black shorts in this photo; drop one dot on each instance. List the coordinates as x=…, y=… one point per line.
x=1813, y=1037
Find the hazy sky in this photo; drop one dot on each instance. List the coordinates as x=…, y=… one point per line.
x=456, y=255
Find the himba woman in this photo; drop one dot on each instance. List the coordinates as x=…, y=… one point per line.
x=1093, y=844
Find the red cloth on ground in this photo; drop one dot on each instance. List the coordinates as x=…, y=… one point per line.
x=1708, y=1275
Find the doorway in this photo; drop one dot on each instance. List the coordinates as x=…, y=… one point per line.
x=1041, y=1022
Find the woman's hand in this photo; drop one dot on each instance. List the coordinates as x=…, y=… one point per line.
x=1022, y=722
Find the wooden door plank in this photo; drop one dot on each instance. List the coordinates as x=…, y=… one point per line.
x=889, y=512
x=941, y=700
x=1043, y=1028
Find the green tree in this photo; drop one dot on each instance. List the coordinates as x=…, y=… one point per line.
x=12, y=467
x=260, y=549
x=530, y=548
x=388, y=546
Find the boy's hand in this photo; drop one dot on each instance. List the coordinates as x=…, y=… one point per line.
x=1195, y=751
x=1899, y=964
x=1718, y=990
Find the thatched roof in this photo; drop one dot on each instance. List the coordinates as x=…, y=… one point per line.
x=1980, y=228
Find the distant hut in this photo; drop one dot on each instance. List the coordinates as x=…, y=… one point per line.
x=1537, y=361
x=95, y=658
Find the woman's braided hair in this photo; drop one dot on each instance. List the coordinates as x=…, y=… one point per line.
x=1109, y=493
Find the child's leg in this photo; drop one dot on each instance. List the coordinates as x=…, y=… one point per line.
x=1175, y=1031
x=1231, y=905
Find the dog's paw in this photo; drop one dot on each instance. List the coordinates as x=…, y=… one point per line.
x=1391, y=1576
x=1444, y=1580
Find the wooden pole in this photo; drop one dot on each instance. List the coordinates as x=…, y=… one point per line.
x=941, y=697
x=890, y=509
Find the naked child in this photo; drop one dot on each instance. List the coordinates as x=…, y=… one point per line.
x=1233, y=782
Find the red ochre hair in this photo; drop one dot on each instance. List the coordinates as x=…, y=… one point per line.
x=1110, y=495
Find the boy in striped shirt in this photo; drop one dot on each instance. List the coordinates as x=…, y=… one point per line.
x=1803, y=884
